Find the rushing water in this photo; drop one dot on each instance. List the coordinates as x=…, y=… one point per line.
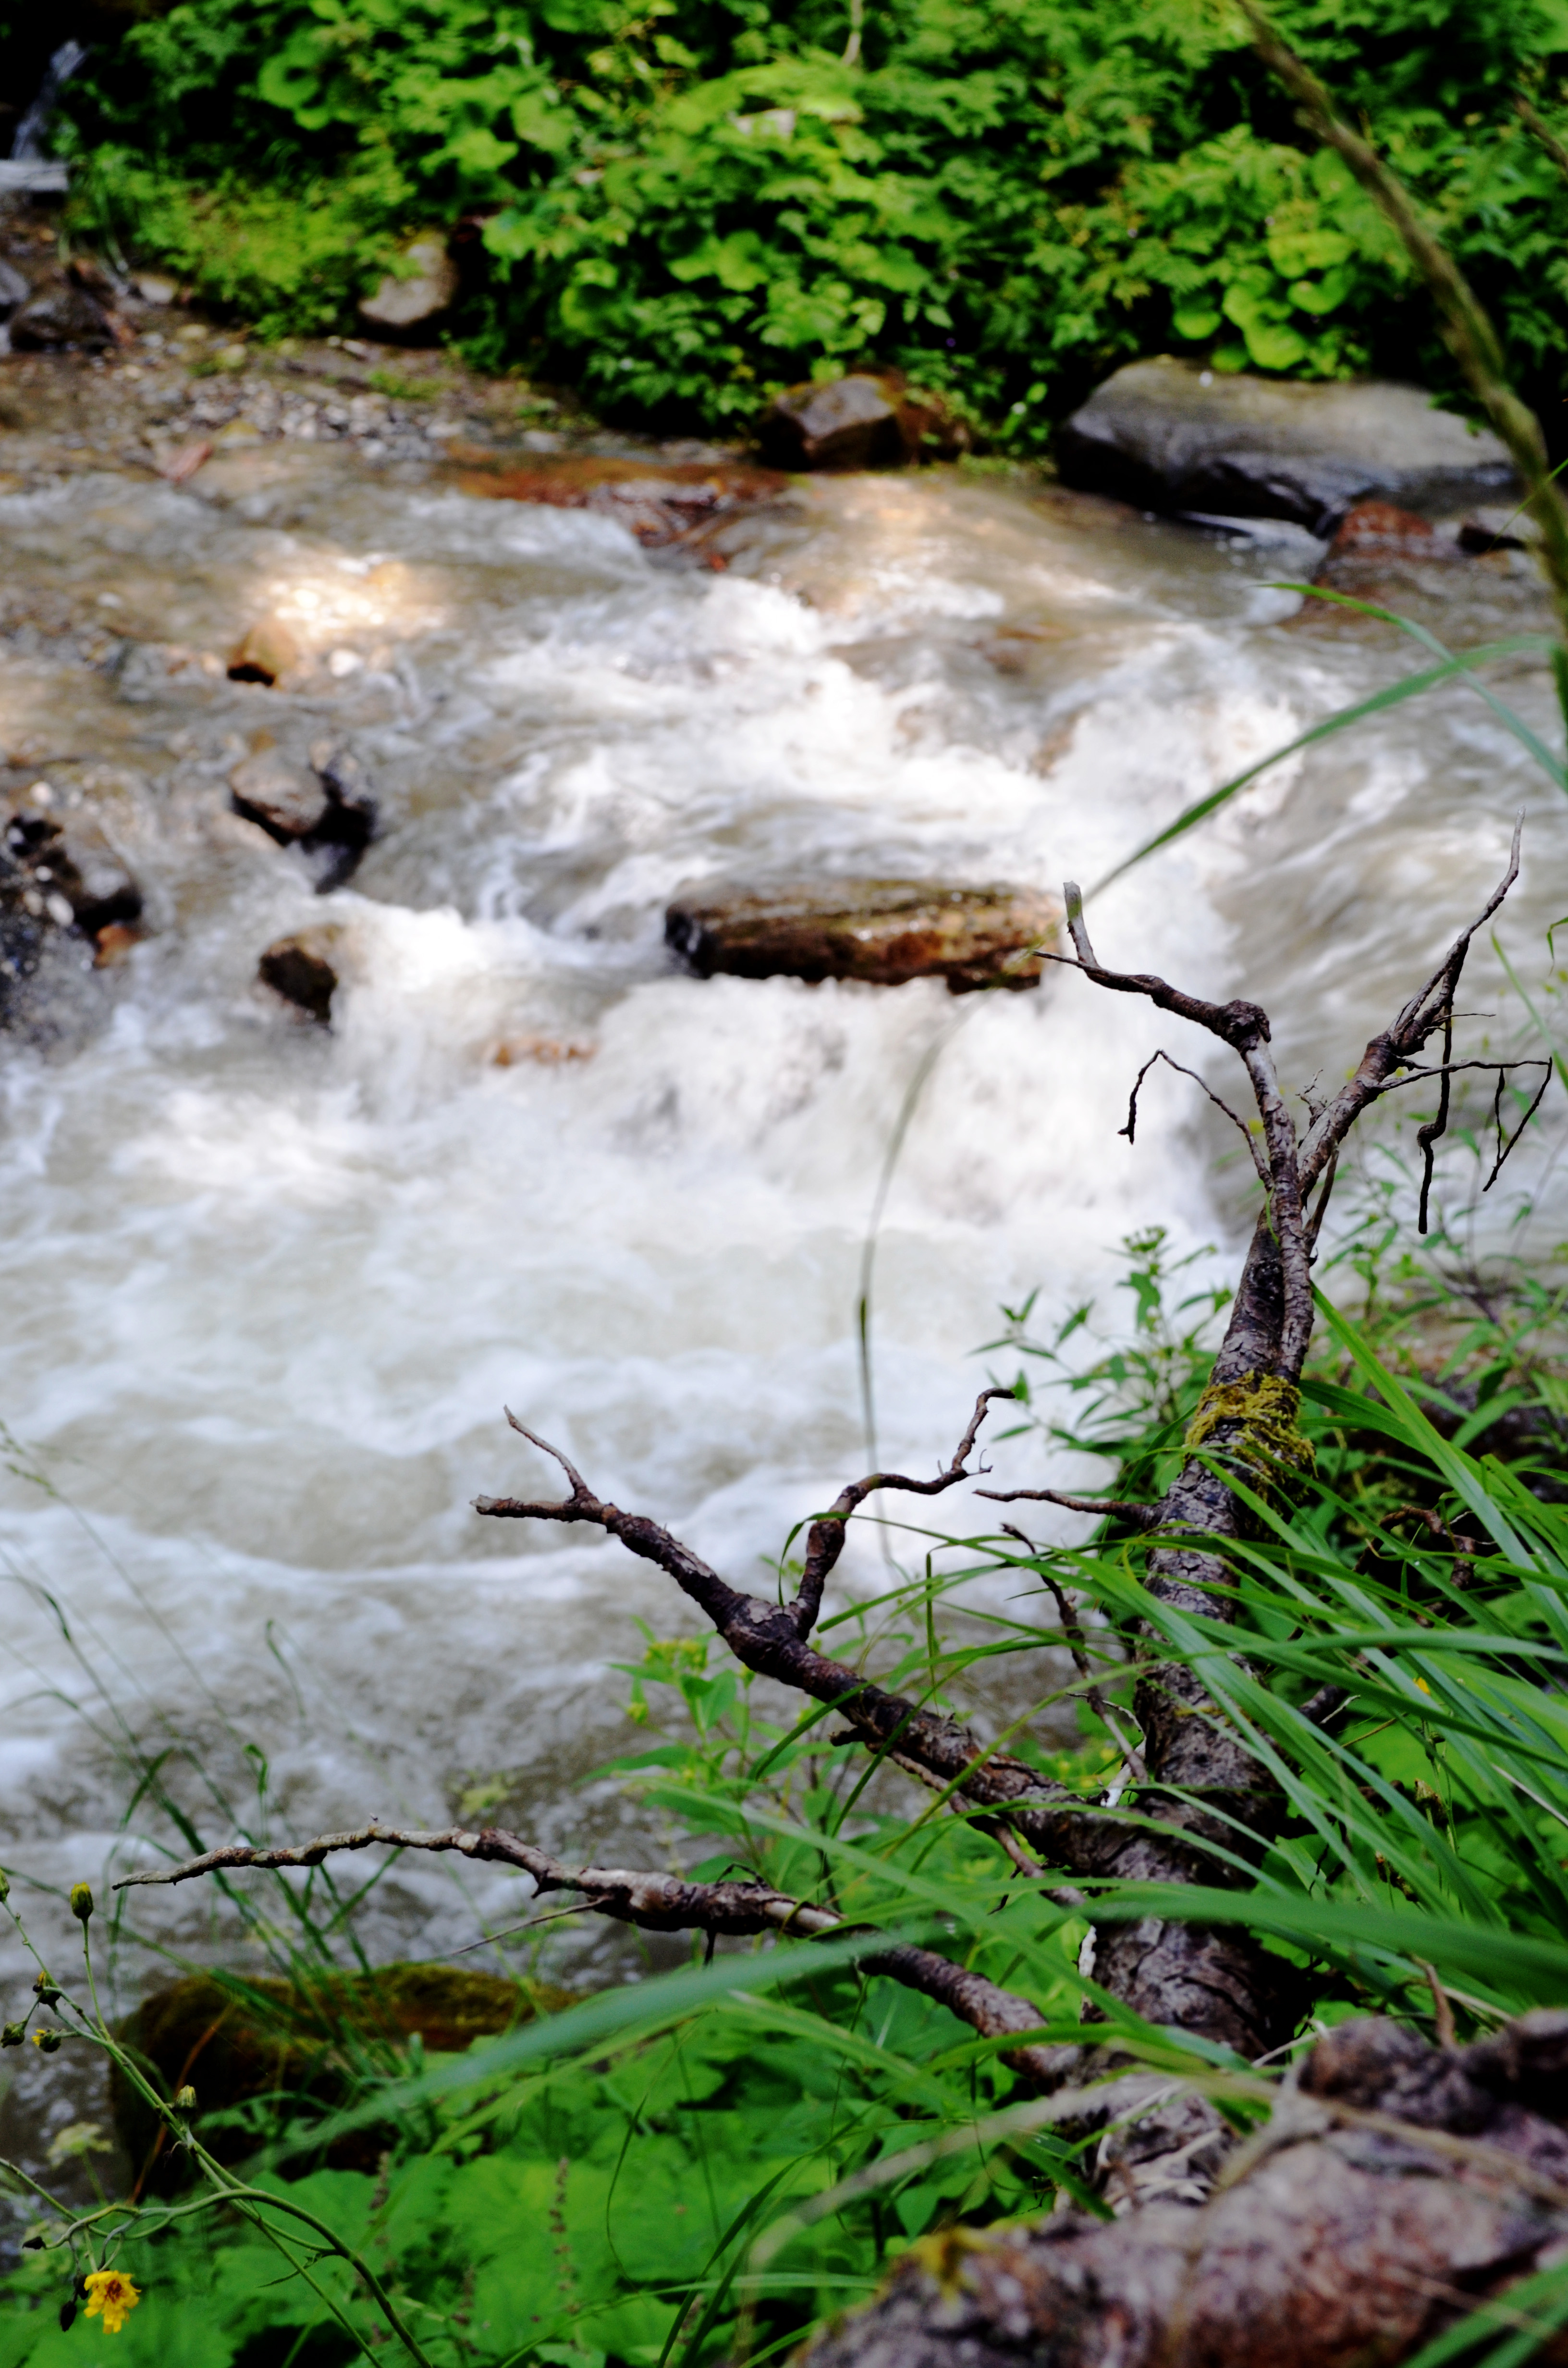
x=267, y=1289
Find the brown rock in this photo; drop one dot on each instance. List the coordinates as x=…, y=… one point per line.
x=882, y=931
x=299, y=969
x=1372, y=528
x=407, y=301
x=267, y=652
x=859, y=422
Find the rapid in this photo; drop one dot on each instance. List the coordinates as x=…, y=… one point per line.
x=268, y=1287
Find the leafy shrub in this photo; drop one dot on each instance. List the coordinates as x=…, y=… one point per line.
x=682, y=209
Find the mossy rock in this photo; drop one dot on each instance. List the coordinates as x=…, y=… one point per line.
x=299, y=2044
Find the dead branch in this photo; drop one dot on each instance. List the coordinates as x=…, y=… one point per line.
x=1130, y=1130
x=666, y=1903
x=1050, y=1819
x=1396, y=2188
x=1125, y=1508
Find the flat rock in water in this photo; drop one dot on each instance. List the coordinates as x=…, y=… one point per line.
x=405, y=302
x=858, y=421
x=1168, y=436
x=881, y=931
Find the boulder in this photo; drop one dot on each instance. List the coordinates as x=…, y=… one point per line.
x=881, y=931
x=235, y=2039
x=1169, y=435
x=300, y=970
x=410, y=300
x=60, y=317
x=859, y=422
x=327, y=809
x=13, y=288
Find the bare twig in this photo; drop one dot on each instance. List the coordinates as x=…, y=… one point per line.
x=1253, y=1153
x=666, y=1903
x=1145, y=1516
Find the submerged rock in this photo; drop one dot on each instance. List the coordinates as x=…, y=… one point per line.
x=408, y=301
x=52, y=881
x=881, y=931
x=258, y=2037
x=858, y=421
x=300, y=968
x=1170, y=437
x=328, y=810
x=663, y=502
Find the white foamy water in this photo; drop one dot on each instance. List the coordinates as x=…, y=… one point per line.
x=267, y=1289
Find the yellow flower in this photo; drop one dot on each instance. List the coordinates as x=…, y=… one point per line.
x=111, y=2293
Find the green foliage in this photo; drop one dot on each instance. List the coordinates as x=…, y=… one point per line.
x=679, y=211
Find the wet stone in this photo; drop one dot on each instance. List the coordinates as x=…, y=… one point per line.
x=52, y=885
x=858, y=421
x=327, y=809
x=300, y=970
x=883, y=932
x=267, y=652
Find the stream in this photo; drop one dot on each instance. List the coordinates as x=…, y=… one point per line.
x=268, y=1287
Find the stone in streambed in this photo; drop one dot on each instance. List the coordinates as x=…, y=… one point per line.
x=1170, y=437
x=268, y=651
x=408, y=301
x=881, y=931
x=300, y=968
x=62, y=316
x=13, y=288
x=327, y=809
x=858, y=421
x=51, y=882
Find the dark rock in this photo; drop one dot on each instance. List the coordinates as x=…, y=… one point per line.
x=298, y=969
x=328, y=811
x=1170, y=437
x=52, y=881
x=234, y=2040
x=858, y=421
x=63, y=315
x=13, y=288
x=405, y=304
x=883, y=932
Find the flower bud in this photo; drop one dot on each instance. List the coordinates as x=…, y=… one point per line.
x=12, y=2034
x=48, y=2040
x=67, y=2313
x=184, y=2099
x=47, y=1990
x=4, y=1886
x=81, y=1902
